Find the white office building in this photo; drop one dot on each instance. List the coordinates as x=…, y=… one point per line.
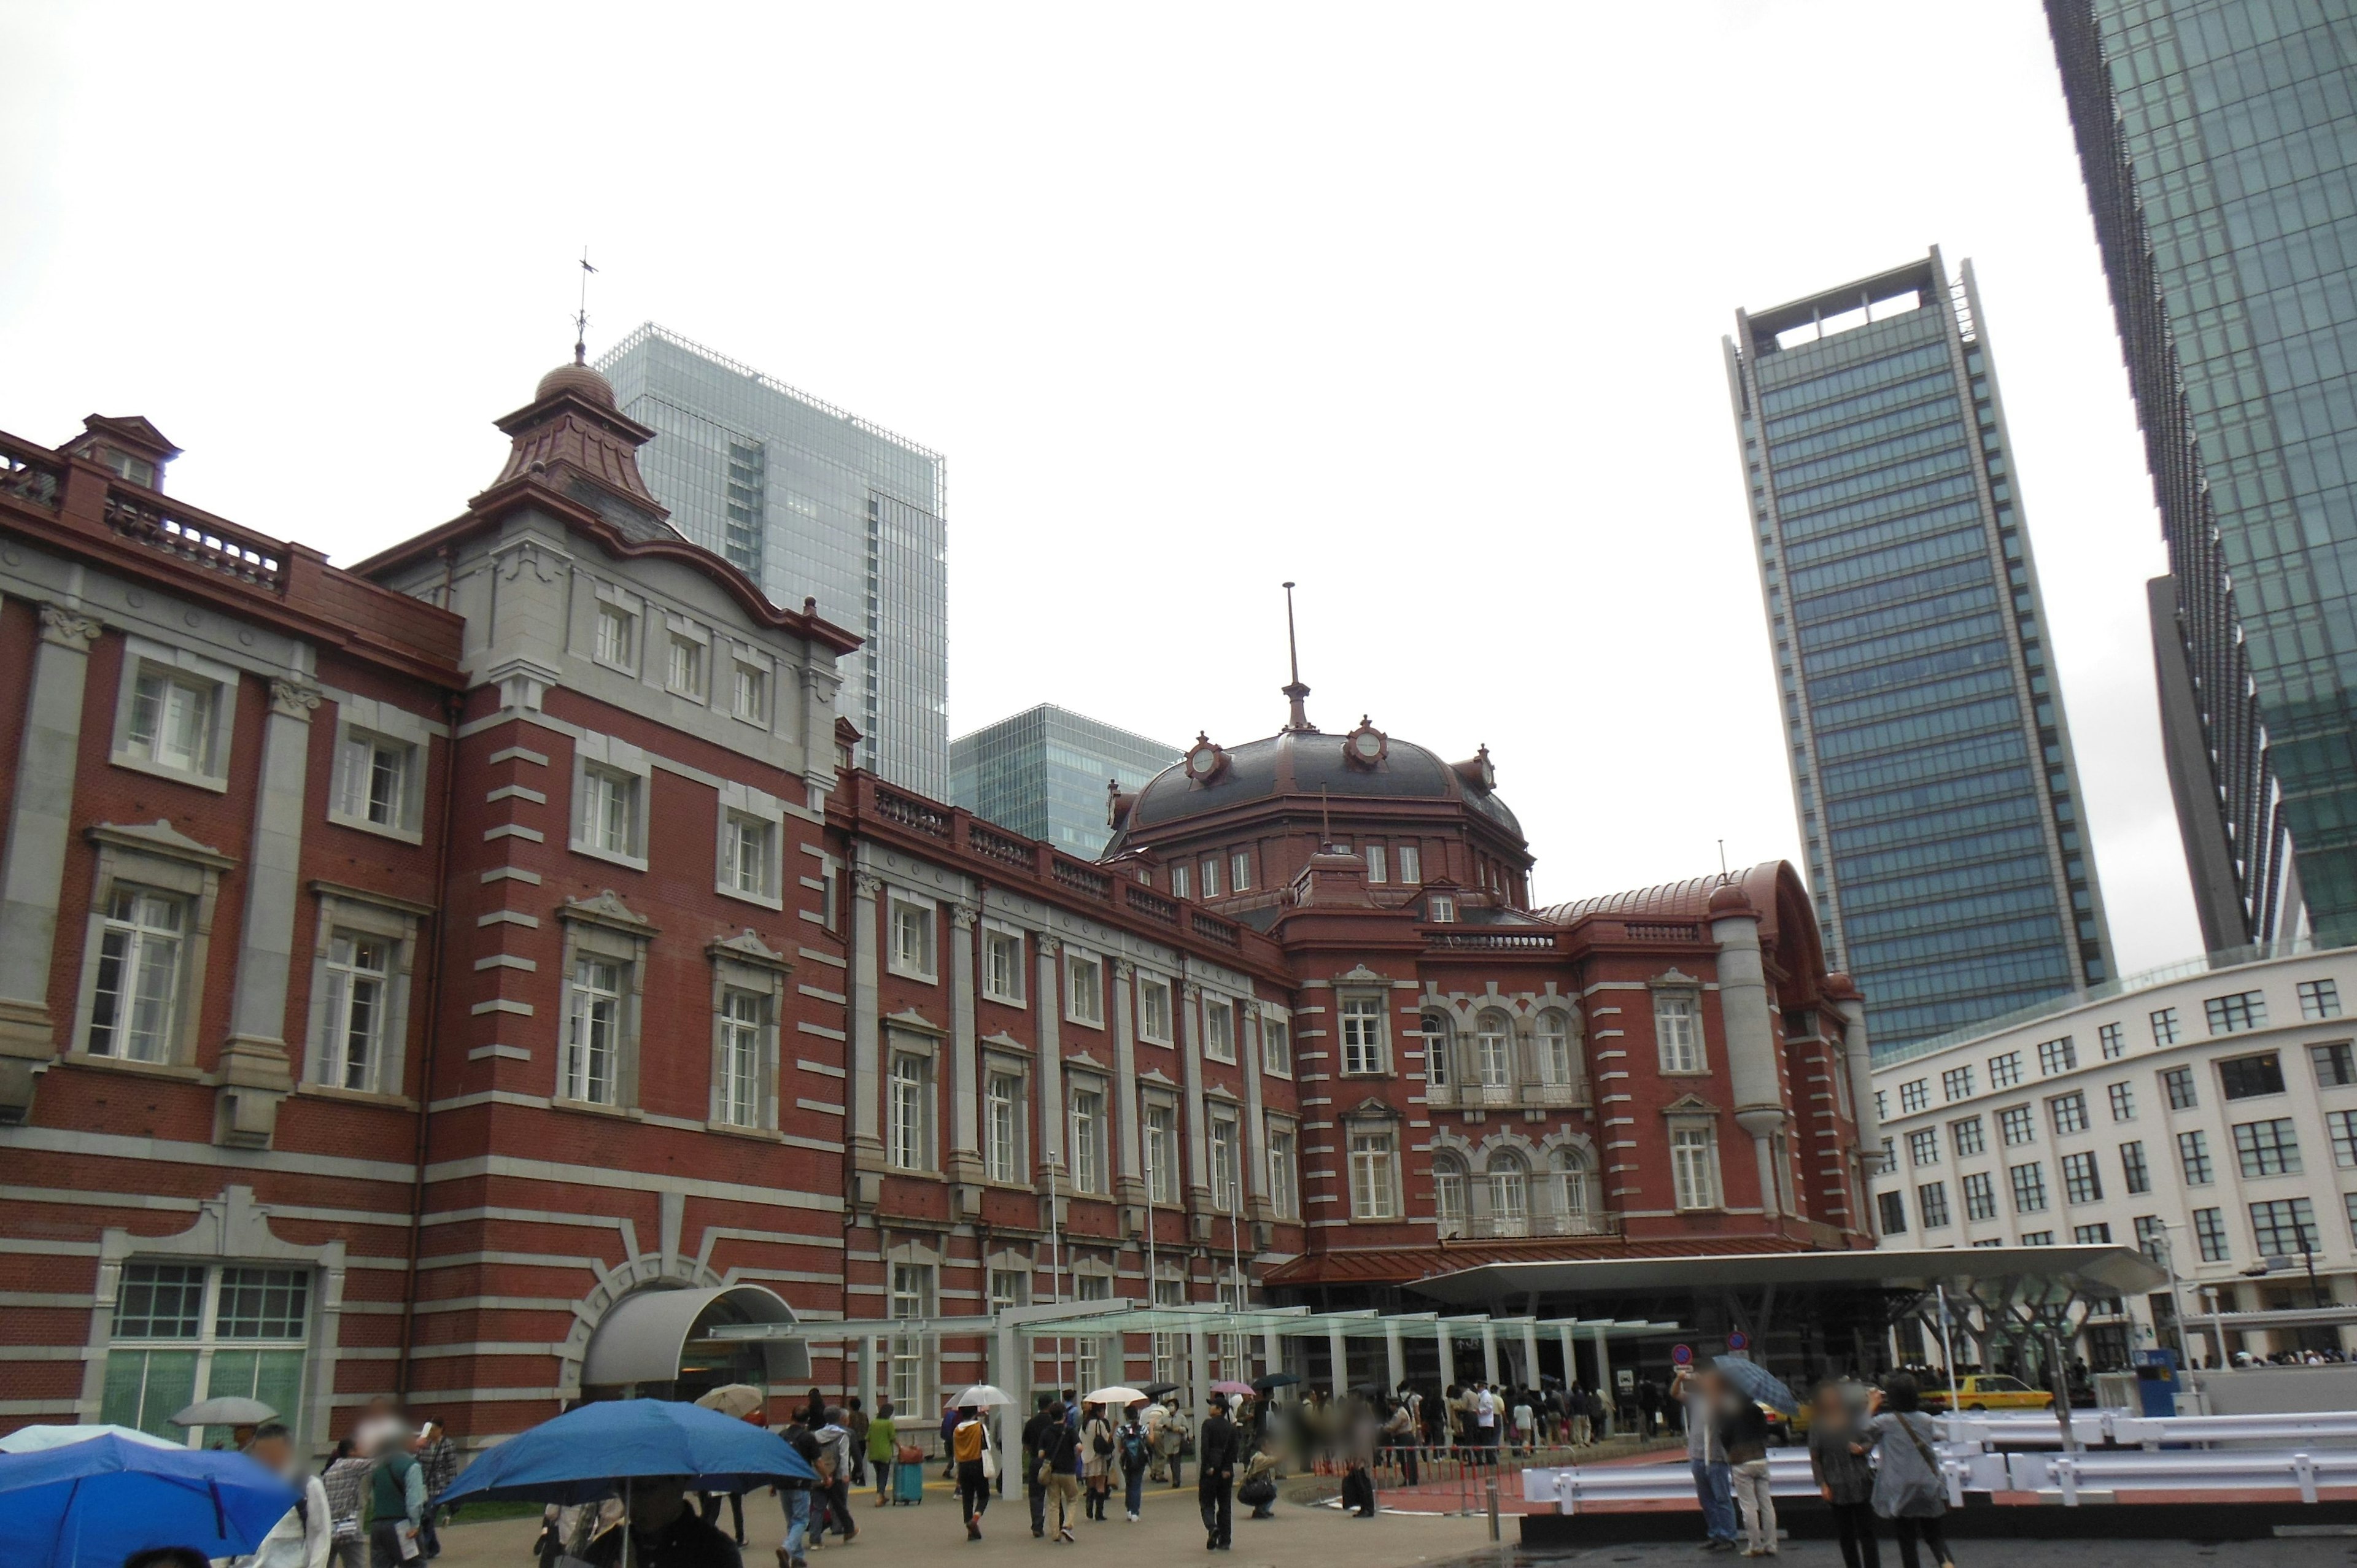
x=2205, y=1113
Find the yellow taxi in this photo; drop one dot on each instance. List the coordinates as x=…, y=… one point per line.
x=1989, y=1390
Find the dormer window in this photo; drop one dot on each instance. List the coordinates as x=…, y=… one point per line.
x=1440, y=909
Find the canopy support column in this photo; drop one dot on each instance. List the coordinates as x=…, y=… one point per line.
x=1395, y=1355
x=1604, y=1378
x=1489, y=1353
x=1337, y=1351
x=1448, y=1355
x=1570, y=1359
x=1530, y=1354
x=1199, y=1368
x=870, y=1385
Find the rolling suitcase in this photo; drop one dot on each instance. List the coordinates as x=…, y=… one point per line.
x=909, y=1482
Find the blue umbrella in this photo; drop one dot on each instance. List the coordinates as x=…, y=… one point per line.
x=91, y=1505
x=579, y=1457
x=1755, y=1382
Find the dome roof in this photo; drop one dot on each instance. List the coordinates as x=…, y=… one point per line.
x=1304, y=762
x=579, y=380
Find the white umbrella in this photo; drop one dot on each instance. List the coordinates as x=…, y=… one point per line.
x=1117, y=1395
x=33, y=1439
x=229, y=1409
x=739, y=1400
x=979, y=1395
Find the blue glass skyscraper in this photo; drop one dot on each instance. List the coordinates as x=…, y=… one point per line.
x=1042, y=773
x=1931, y=768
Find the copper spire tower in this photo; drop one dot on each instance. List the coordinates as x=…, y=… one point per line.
x=1297, y=718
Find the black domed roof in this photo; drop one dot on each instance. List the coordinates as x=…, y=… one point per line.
x=1304, y=762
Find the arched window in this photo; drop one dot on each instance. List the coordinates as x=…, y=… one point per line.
x=1437, y=1040
x=1449, y=1193
x=1556, y=1063
x=1510, y=1194
x=1568, y=1176
x=1494, y=1050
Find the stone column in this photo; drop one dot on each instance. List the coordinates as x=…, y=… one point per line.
x=1751, y=1034
x=965, y=1166
x=1570, y=1358
x=1254, y=1152
x=1128, y=1183
x=33, y=867
x=1055, y=1171
x=1197, y=1144
x=1444, y=1339
x=1490, y=1353
x=1530, y=1356
x=1198, y=1369
x=866, y=1086
x=1394, y=1354
x=1337, y=1349
x=256, y=1068
x=1604, y=1389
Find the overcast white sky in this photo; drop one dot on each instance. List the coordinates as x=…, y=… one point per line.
x=1420, y=306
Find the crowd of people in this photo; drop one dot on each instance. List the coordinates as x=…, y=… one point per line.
x=367, y=1506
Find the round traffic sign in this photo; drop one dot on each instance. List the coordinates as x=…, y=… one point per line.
x=1682, y=1354
x=1737, y=1341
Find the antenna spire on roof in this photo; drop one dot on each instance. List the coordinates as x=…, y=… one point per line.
x=581, y=316
x=1298, y=717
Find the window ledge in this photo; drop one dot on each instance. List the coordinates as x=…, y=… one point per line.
x=356, y=1096
x=1005, y=1001
x=1100, y=1023
x=765, y=900
x=894, y=969
x=1695, y=1072
x=593, y=1108
x=635, y=862
x=361, y=824
x=736, y=1130
x=178, y=1070
x=217, y=783
x=1142, y=1039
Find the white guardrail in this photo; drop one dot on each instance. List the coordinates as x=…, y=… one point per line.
x=1982, y=1454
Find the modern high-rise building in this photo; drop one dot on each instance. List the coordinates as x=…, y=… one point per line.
x=809, y=501
x=1042, y=773
x=2218, y=139
x=1932, y=767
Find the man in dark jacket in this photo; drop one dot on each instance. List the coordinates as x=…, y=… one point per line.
x=1034, y=1438
x=1215, y=1475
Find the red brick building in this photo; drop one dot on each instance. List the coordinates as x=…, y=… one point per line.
x=471, y=973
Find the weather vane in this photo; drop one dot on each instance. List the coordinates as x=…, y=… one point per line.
x=581, y=316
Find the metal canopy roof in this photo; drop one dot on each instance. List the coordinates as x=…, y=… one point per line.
x=1089, y=1319
x=2089, y=1270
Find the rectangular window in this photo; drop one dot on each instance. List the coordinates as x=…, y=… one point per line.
x=618, y=638
x=686, y=675
x=1373, y=1192
x=172, y=721
x=2284, y=1227
x=1284, y=1174
x=1003, y=1127
x=1980, y=1197
x=2018, y=1125
x=2336, y=1064
x=1967, y=1136
x=2248, y=1078
x=358, y=974
x=748, y=852
x=610, y=810
x=2057, y=1056
x=1411, y=864
x=906, y=1112
x=592, y=1030
x=2081, y=1183
x=2267, y=1148
x=1677, y=1031
x=1276, y=1045
x=1893, y=1206
x=186, y=1331
x=2177, y=1083
x=2069, y=1111
x=1088, y=1140
x=1240, y=872
x=2342, y=1125
x=2193, y=1158
x=1924, y=1148
x=1009, y=1288
x=741, y=1028
x=1914, y=1095
x=1376, y=866
x=2029, y=1187
x=1227, y=1191
x=913, y=938
x=1440, y=909
x=1162, y=1154
x=2098, y=1235
x=1955, y=1084
x=1362, y=1034
x=1931, y=1202
x=2038, y=1237
x=1493, y=1050
x=1182, y=885
x=2123, y=1097
x=2134, y=1169
x=1153, y=1010
x=2320, y=999
x=1694, y=1166
x=2233, y=1015
x=1084, y=989
x=1219, y=1029
x=134, y=1002
x=748, y=694
x=2164, y=1026
x=2004, y=1071
x=2210, y=1232
x=2112, y=1041
x=912, y=1297
x=372, y=782
x=2152, y=1238
x=1210, y=877
x=1002, y=966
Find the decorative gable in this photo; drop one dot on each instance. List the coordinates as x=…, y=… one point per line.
x=609, y=910
x=1689, y=1104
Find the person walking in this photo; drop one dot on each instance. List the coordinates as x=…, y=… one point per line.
x=883, y=1448
x=1485, y=1422
x=1034, y=1475
x=344, y=1481
x=951, y=1416
x=305, y=1534
x=1908, y=1490
x=1837, y=1445
x=1743, y=1428
x=798, y=1498
x=855, y=1422
x=1176, y=1436
x=969, y=1440
x=1096, y=1460
x=834, y=1477
x=1706, y=1456
x=1400, y=1436
x=1215, y=1471
x=1059, y=1455
x=396, y=1500
x=1130, y=1444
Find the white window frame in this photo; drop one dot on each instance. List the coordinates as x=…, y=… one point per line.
x=1411, y=864
x=596, y=989
x=1361, y=1058
x=157, y=859
x=911, y=1103
x=1440, y=909
x=1696, y=1182
x=1219, y=1027
x=913, y=936
x=741, y=1029
x=144, y=937
x=612, y=600
x=1275, y=1043
x=1284, y=1156
x=1494, y=1049
x=1159, y=1150
x=1084, y=983
x=1224, y=1156
x=682, y=635
x=1089, y=1145
x=216, y=683
x=744, y=967
x=744, y=661
x=1006, y=1121
x=1012, y=987
x=1376, y=867
x=1372, y=1170
x=1210, y=872
x=744, y=807
x=1182, y=881
x=618, y=763
x=1157, y=1003
x=600, y=931
x=1239, y=878
x=1687, y=1058
x=351, y=910
x=1559, y=1058
x=364, y=725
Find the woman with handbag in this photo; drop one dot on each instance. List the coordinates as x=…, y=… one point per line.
x=1907, y=1490
x=1258, y=1490
x=977, y=1466
x=1096, y=1460
x=1837, y=1445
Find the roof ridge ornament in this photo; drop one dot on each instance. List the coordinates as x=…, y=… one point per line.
x=1297, y=717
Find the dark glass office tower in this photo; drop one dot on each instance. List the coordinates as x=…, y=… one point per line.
x=1042, y=773
x=2218, y=139
x=1932, y=767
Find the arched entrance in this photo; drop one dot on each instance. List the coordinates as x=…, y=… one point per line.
x=657, y=1343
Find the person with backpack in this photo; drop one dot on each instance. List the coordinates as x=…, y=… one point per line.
x=1034, y=1478
x=1907, y=1489
x=831, y=1508
x=1096, y=1461
x=396, y=1493
x=1059, y=1463
x=1130, y=1443
x=797, y=1497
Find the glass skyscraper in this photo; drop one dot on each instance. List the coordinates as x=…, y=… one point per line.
x=2218, y=139
x=1042, y=773
x=1932, y=767
x=809, y=501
